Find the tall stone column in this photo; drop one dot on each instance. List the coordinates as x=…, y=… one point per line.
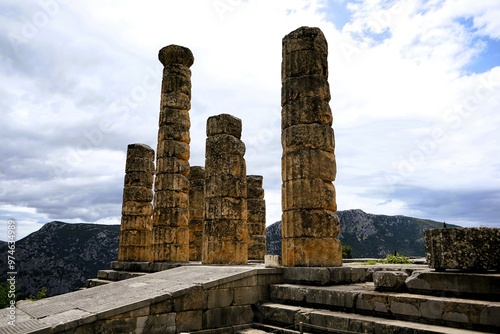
x=171, y=201
x=196, y=199
x=136, y=235
x=225, y=230
x=256, y=218
x=310, y=224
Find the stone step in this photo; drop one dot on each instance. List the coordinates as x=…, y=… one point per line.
x=327, y=321
x=484, y=286
x=363, y=299
x=266, y=328
x=115, y=275
x=93, y=282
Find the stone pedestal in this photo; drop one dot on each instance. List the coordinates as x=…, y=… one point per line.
x=171, y=201
x=310, y=224
x=256, y=219
x=136, y=234
x=225, y=230
x=470, y=249
x=196, y=199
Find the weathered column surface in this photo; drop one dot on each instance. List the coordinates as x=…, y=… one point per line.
x=196, y=198
x=256, y=218
x=310, y=224
x=136, y=236
x=171, y=201
x=225, y=230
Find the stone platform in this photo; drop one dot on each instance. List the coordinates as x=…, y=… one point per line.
x=188, y=298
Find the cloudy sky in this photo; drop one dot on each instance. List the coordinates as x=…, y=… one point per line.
x=415, y=96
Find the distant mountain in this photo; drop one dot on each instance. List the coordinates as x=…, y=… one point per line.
x=371, y=235
x=61, y=256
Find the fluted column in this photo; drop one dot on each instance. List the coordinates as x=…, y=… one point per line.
x=310, y=224
x=225, y=230
x=171, y=201
x=256, y=219
x=196, y=199
x=136, y=234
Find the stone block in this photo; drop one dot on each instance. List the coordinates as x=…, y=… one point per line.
x=310, y=110
x=294, y=88
x=471, y=249
x=310, y=223
x=173, y=217
x=171, y=199
x=176, y=81
x=254, y=181
x=225, y=185
x=174, y=132
x=135, y=238
x=139, y=165
x=189, y=321
x=256, y=205
x=173, y=148
x=304, y=63
x=228, y=316
x=175, y=116
x=171, y=165
x=137, y=194
x=231, y=252
x=308, y=137
x=307, y=276
x=308, y=194
x=485, y=286
x=224, y=124
x=256, y=229
x=197, y=173
x=218, y=298
x=309, y=164
x=140, y=151
x=225, y=208
x=305, y=38
x=432, y=309
x=226, y=229
x=136, y=223
x=228, y=164
x=175, y=100
x=390, y=280
x=405, y=308
x=167, y=234
x=193, y=299
x=175, y=54
x=256, y=193
x=141, y=179
x=137, y=209
x=163, y=252
x=312, y=252
x=250, y=294
x=170, y=181
x=221, y=145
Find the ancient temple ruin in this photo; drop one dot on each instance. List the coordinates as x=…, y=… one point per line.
x=217, y=214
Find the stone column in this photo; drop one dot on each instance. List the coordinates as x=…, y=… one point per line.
x=136, y=236
x=310, y=224
x=225, y=230
x=171, y=202
x=256, y=218
x=196, y=198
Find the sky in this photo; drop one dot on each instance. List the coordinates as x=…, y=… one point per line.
x=415, y=91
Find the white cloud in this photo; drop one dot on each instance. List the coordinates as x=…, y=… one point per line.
x=86, y=82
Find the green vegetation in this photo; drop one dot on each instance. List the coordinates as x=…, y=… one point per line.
x=346, y=252
x=5, y=295
x=389, y=259
x=40, y=295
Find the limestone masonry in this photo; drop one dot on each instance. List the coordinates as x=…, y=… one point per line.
x=136, y=231
x=310, y=224
x=171, y=200
x=225, y=230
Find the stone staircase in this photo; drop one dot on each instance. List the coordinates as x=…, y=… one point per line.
x=346, y=300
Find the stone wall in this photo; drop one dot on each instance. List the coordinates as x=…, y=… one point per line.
x=310, y=225
x=136, y=236
x=171, y=200
x=225, y=230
